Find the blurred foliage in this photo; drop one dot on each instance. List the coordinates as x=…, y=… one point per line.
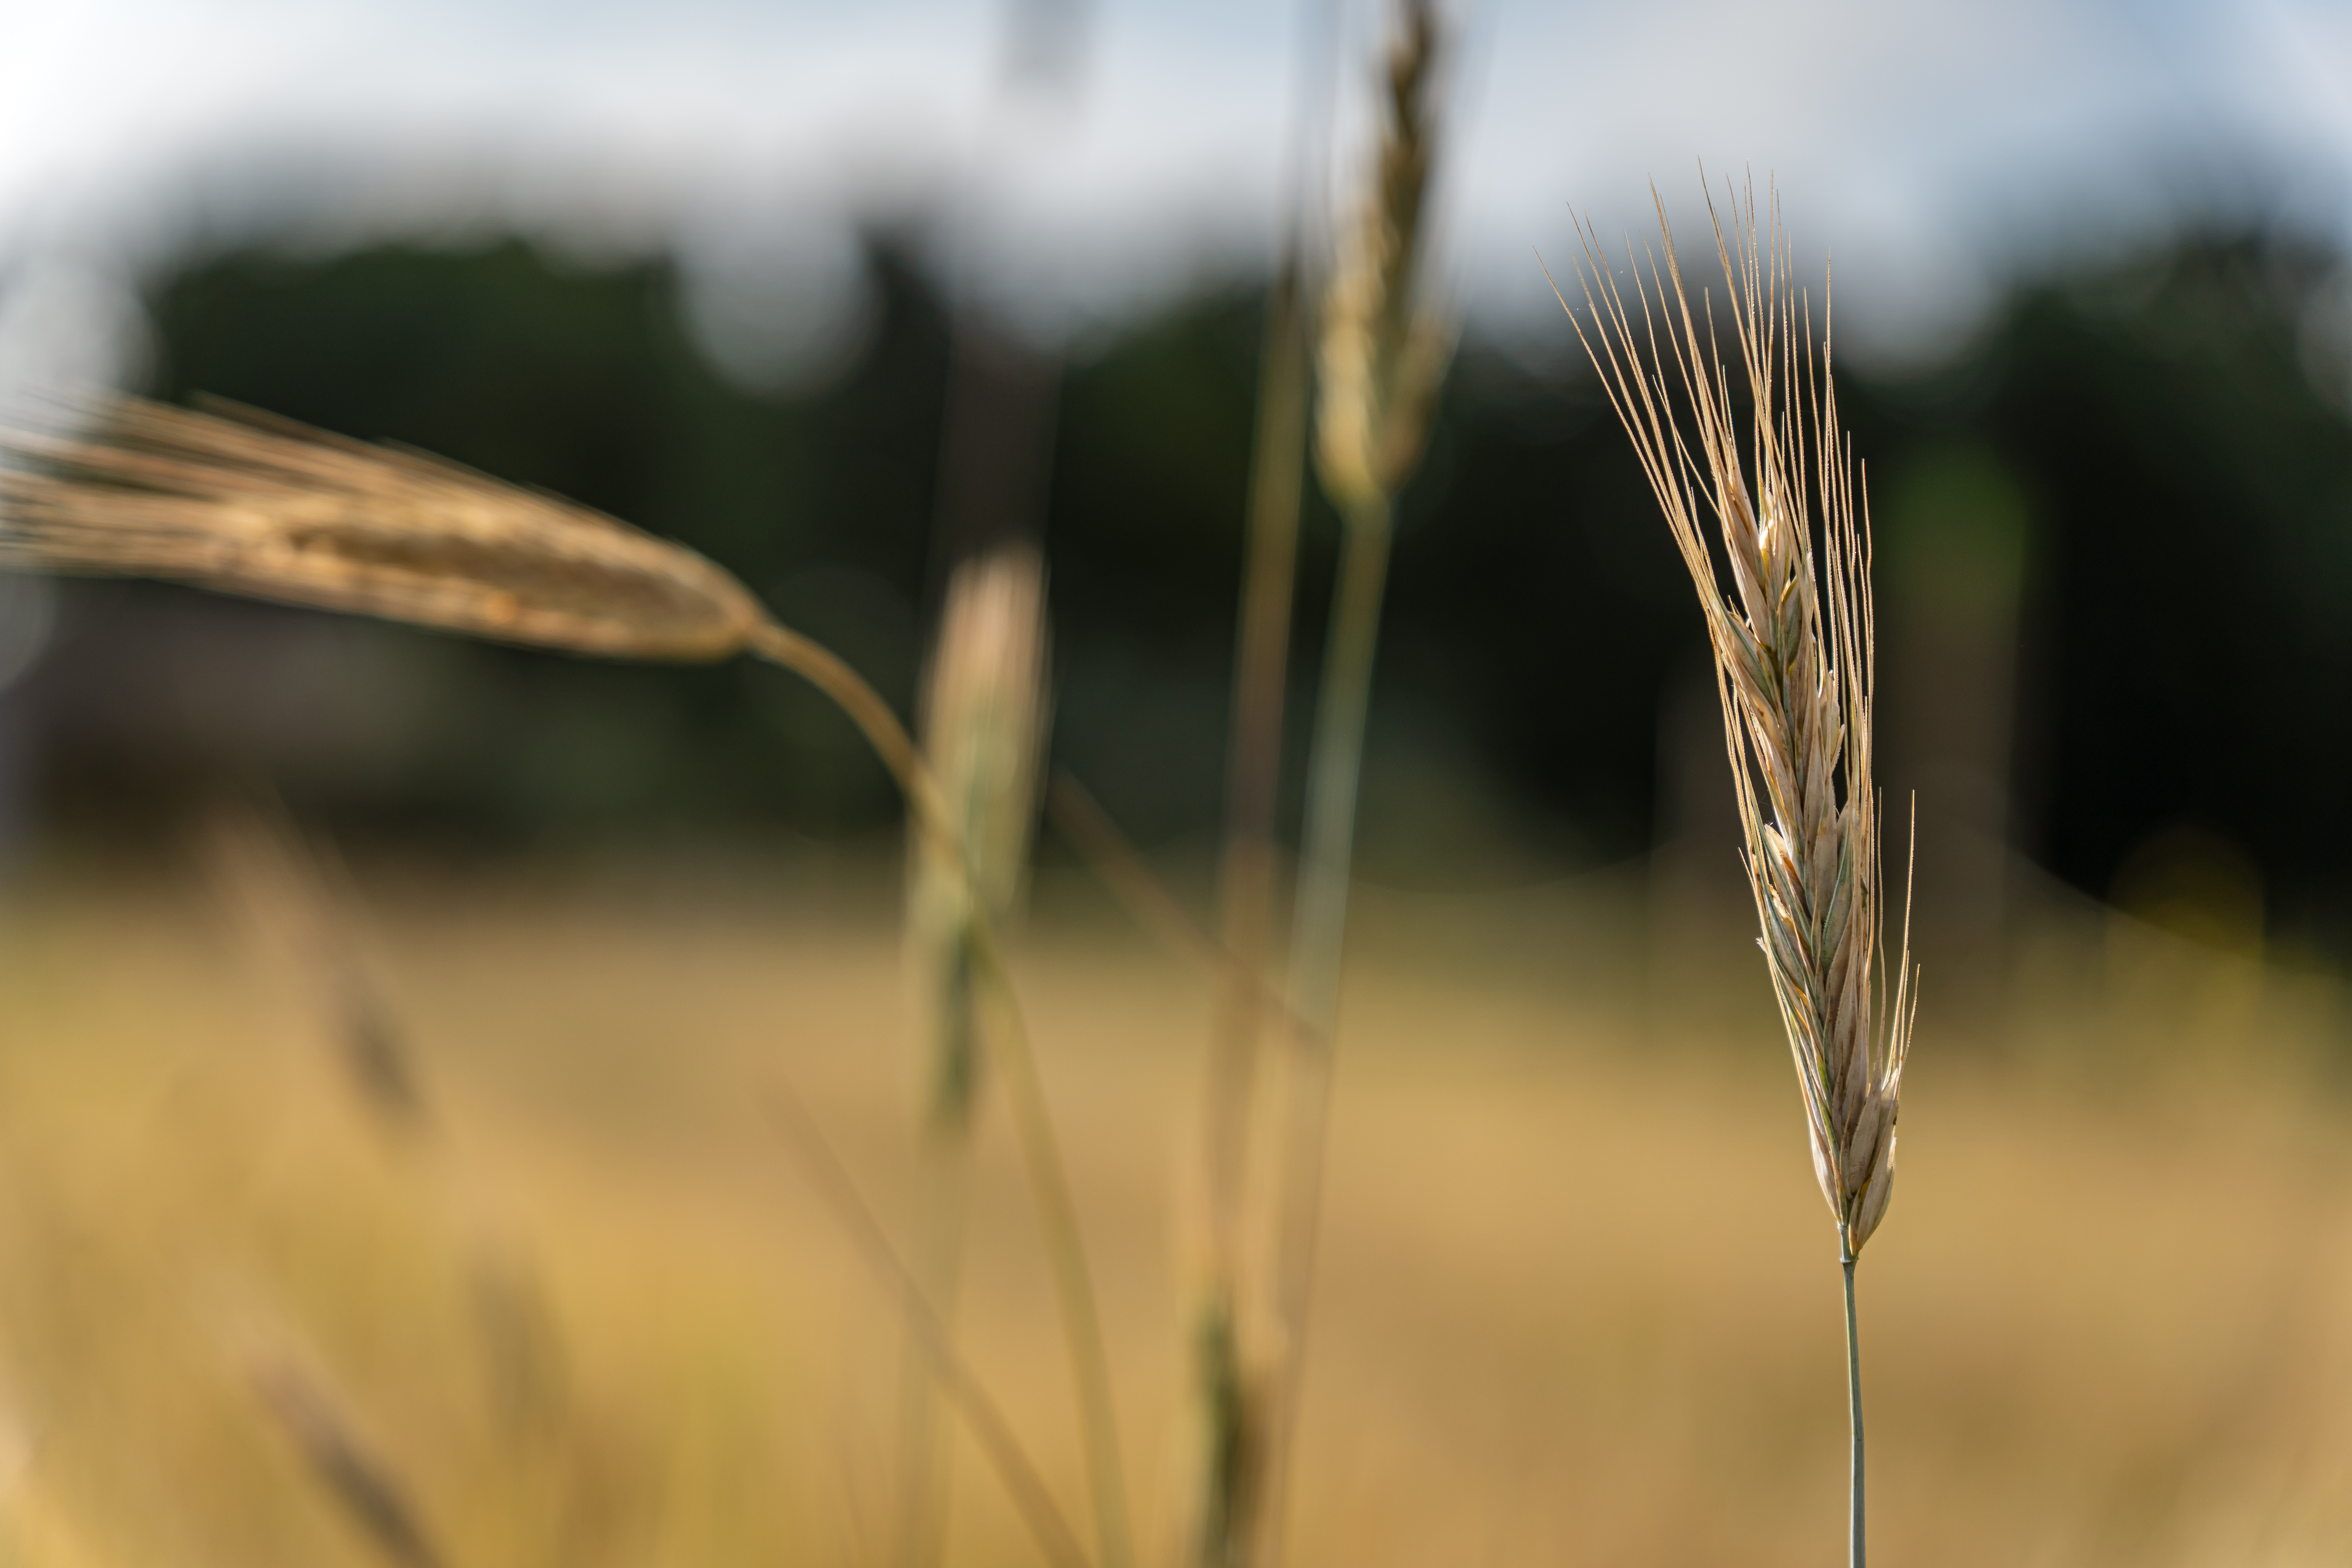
x=2181, y=433
x=2159, y=445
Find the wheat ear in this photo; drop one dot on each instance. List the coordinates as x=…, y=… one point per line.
x=1793, y=642
x=264, y=506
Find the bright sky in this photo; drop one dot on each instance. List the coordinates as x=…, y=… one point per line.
x=1931, y=145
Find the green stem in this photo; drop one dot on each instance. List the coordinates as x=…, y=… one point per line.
x=1318, y=937
x=1228, y=1485
x=1853, y=1397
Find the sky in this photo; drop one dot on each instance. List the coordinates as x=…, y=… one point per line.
x=1931, y=150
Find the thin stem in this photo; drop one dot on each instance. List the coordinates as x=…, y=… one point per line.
x=1057, y=1216
x=1853, y=1397
x=829, y=673
x=1319, y=938
x=923, y=1467
x=1027, y=1489
x=1087, y=827
x=1082, y=822
x=1321, y=929
x=1032, y=1123
x=939, y=927
x=1252, y=785
x=1261, y=665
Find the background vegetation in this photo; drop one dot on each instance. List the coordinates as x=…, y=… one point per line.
x=2151, y=452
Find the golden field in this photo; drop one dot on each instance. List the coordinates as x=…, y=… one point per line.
x=1580, y=1295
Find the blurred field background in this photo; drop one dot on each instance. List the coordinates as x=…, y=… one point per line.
x=1578, y=1302
x=1574, y=1311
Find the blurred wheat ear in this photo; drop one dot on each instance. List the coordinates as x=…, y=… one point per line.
x=349, y=1470
x=298, y=897
x=1793, y=642
x=1383, y=352
x=294, y=895
x=983, y=724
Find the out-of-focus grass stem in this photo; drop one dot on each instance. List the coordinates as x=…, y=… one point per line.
x=1319, y=942
x=1031, y=1497
x=1382, y=354
x=1261, y=674
x=983, y=722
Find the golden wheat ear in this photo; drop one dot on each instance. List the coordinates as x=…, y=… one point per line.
x=1384, y=346
x=249, y=504
x=986, y=710
x=1793, y=637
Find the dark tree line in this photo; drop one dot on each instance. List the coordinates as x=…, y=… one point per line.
x=2169, y=434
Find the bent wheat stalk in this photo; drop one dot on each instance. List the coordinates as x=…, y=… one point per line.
x=263, y=507
x=1793, y=642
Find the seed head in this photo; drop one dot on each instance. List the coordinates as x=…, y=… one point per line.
x=261, y=506
x=983, y=724
x=1383, y=354
x=1793, y=657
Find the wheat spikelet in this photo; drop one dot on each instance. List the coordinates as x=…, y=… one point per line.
x=1793, y=655
x=984, y=725
x=1382, y=354
x=260, y=506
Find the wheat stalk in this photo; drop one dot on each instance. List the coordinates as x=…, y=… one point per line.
x=1381, y=357
x=1382, y=354
x=983, y=718
x=1794, y=643
x=1246, y=886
